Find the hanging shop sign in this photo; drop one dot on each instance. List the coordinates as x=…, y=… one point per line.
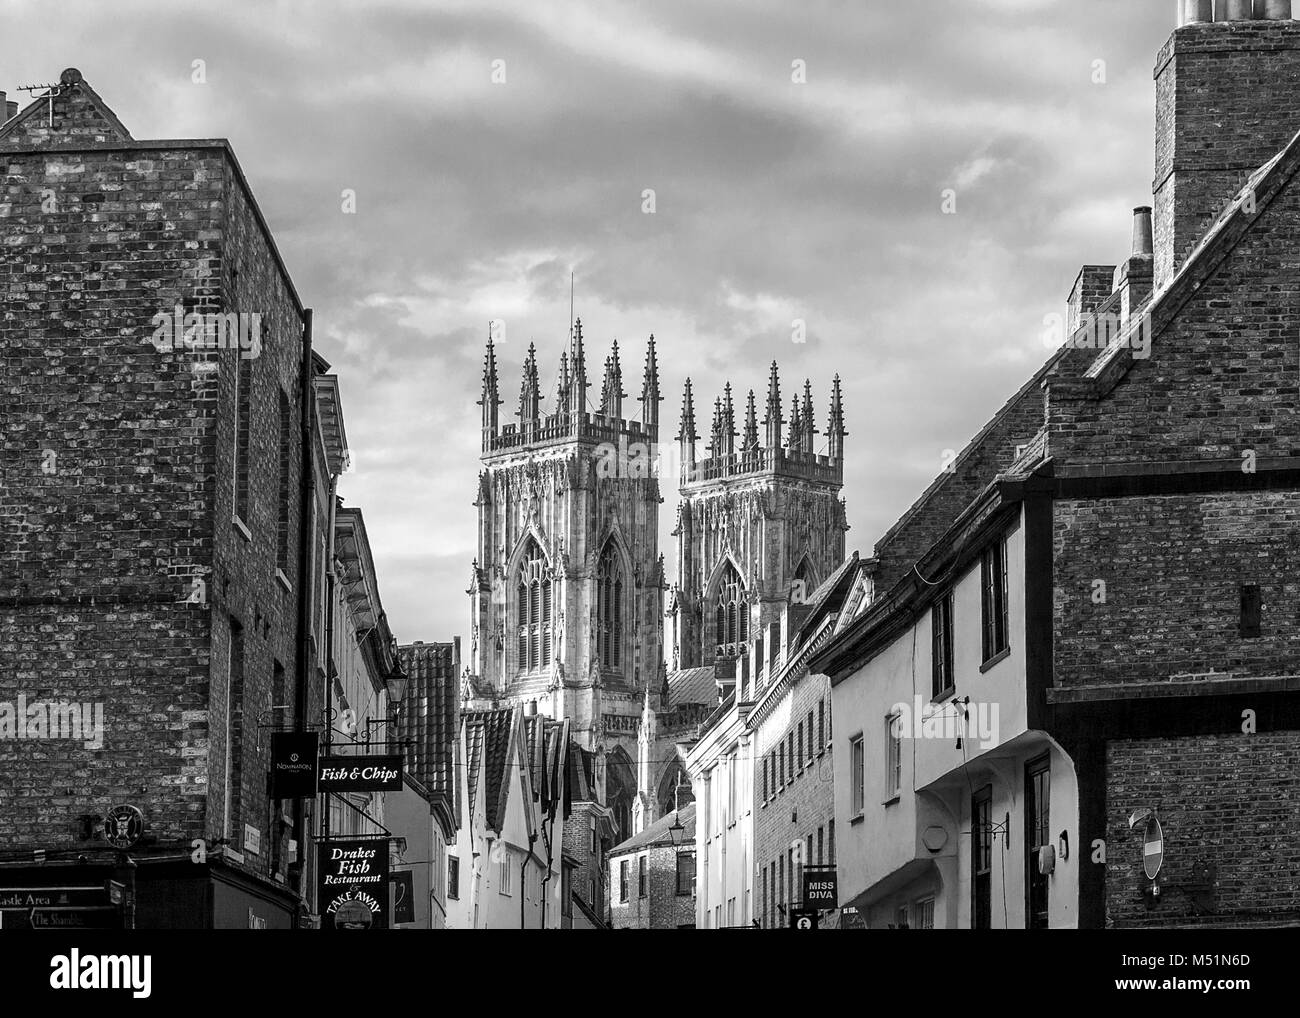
x=819, y=888
x=293, y=765
x=361, y=773
x=403, y=897
x=353, y=884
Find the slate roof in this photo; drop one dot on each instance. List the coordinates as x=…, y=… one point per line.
x=692, y=685
x=657, y=834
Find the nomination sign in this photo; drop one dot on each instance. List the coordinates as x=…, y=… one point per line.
x=293, y=765
x=361, y=774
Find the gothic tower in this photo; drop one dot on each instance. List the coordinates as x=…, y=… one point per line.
x=567, y=586
x=757, y=526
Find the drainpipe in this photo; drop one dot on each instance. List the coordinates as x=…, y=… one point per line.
x=329, y=637
x=550, y=861
x=305, y=516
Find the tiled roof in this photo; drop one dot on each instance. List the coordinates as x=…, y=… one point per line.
x=487, y=734
x=658, y=832
x=692, y=685
x=428, y=715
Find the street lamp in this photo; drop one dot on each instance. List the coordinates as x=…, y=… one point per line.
x=676, y=831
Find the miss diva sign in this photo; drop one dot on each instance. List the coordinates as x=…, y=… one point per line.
x=354, y=885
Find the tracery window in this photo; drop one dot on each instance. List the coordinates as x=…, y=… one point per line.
x=533, y=610
x=731, y=614
x=609, y=608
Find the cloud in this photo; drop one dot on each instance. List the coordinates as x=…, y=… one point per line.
x=774, y=200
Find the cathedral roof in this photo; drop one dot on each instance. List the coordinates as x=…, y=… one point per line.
x=692, y=685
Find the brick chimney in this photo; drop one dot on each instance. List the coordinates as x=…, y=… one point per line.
x=1227, y=101
x=1093, y=285
x=8, y=110
x=1133, y=279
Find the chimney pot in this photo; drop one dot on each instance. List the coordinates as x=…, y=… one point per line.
x=1197, y=11
x=1237, y=10
x=11, y=110
x=1273, y=10
x=1142, y=240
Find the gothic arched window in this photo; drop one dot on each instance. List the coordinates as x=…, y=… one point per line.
x=731, y=614
x=609, y=609
x=533, y=610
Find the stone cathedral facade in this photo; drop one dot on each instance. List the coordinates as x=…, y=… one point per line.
x=567, y=586
x=568, y=592
x=759, y=525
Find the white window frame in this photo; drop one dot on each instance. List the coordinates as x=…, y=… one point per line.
x=857, y=776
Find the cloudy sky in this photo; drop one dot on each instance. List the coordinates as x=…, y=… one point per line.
x=774, y=200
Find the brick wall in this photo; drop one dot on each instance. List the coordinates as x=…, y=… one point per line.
x=1223, y=377
x=1227, y=100
x=662, y=908
x=116, y=489
x=803, y=806
x=1173, y=568
x=1208, y=790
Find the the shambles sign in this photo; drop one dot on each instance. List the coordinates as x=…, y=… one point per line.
x=354, y=885
x=293, y=765
x=361, y=774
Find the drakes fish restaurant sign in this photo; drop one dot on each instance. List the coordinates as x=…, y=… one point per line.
x=354, y=885
x=361, y=774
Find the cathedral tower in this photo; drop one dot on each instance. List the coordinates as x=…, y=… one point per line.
x=757, y=526
x=567, y=586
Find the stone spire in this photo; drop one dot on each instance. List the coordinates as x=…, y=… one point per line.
x=491, y=398
x=611, y=390
x=686, y=434
x=835, y=431
x=578, y=383
x=529, y=396
x=807, y=437
x=715, y=437
x=650, y=397
x=564, y=387
x=793, y=443
x=773, y=420
x=749, y=443
x=728, y=424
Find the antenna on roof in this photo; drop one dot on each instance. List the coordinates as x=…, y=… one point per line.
x=69, y=78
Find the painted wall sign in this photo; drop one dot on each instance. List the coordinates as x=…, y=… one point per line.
x=353, y=884
x=293, y=764
x=361, y=773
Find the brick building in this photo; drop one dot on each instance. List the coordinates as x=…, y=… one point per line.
x=1111, y=564
x=652, y=876
x=168, y=525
